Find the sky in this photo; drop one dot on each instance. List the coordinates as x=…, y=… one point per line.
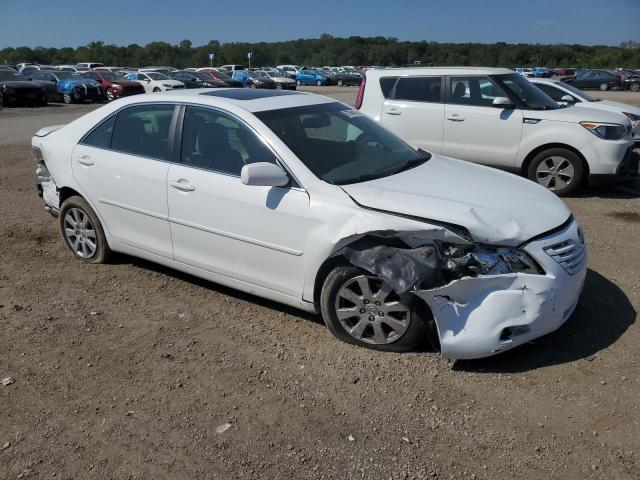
x=71, y=23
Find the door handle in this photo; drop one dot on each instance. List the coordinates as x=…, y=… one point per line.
x=393, y=111
x=85, y=160
x=455, y=117
x=182, y=185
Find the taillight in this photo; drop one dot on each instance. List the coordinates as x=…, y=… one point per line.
x=360, y=96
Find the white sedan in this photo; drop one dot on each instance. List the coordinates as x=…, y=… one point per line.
x=569, y=95
x=154, y=82
x=303, y=200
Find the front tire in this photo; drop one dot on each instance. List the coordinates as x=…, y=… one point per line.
x=298, y=83
x=319, y=83
x=340, y=83
x=109, y=94
x=82, y=231
x=634, y=87
x=557, y=169
x=156, y=90
x=361, y=309
x=603, y=86
x=67, y=98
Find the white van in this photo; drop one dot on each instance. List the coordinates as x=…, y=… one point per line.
x=495, y=117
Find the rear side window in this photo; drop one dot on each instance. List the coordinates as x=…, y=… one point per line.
x=100, y=137
x=143, y=130
x=419, y=89
x=386, y=85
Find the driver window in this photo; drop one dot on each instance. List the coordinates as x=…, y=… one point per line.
x=215, y=141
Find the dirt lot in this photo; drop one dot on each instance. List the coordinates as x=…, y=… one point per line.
x=127, y=370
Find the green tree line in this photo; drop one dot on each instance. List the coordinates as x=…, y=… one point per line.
x=329, y=50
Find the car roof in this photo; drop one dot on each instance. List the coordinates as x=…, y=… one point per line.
x=252, y=100
x=440, y=71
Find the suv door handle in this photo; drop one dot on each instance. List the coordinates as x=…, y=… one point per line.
x=85, y=160
x=393, y=111
x=455, y=117
x=182, y=185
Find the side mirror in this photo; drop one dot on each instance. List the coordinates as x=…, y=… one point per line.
x=503, y=102
x=264, y=174
x=568, y=99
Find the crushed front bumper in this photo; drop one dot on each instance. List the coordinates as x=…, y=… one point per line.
x=485, y=315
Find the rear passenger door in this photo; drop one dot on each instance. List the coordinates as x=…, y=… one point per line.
x=414, y=110
x=474, y=129
x=122, y=166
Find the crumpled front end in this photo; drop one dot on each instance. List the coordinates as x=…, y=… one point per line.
x=484, y=299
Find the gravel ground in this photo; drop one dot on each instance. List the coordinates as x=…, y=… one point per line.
x=132, y=371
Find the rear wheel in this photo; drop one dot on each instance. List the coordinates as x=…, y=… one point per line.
x=557, y=169
x=361, y=309
x=319, y=83
x=82, y=231
x=603, y=86
x=252, y=85
x=634, y=87
x=340, y=83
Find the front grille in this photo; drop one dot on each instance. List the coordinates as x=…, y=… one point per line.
x=569, y=254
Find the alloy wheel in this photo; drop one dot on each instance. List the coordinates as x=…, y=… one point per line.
x=555, y=173
x=370, y=311
x=80, y=233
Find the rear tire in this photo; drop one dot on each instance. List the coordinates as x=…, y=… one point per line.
x=557, y=169
x=603, y=87
x=634, y=87
x=109, y=94
x=82, y=231
x=369, y=324
x=319, y=83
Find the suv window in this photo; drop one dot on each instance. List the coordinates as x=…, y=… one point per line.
x=386, y=85
x=143, y=130
x=418, y=89
x=476, y=91
x=100, y=137
x=553, y=92
x=215, y=141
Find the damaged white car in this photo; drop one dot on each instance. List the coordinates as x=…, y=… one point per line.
x=305, y=201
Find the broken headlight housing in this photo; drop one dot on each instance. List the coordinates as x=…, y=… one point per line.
x=487, y=260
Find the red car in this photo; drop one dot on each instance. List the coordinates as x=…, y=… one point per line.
x=113, y=85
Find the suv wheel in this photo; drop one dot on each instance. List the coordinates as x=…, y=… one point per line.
x=361, y=309
x=603, y=86
x=557, y=169
x=82, y=231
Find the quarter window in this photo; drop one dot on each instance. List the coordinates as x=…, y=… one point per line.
x=418, y=89
x=386, y=85
x=100, y=137
x=143, y=130
x=215, y=141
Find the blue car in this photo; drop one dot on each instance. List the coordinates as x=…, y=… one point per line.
x=78, y=89
x=311, y=77
x=542, y=72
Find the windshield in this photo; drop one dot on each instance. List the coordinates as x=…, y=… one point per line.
x=340, y=145
x=156, y=76
x=109, y=76
x=532, y=97
x=579, y=93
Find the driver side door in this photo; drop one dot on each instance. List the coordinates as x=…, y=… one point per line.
x=252, y=234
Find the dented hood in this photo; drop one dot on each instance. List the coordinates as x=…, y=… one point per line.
x=494, y=206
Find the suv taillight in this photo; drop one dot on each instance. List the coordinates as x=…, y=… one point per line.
x=360, y=96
